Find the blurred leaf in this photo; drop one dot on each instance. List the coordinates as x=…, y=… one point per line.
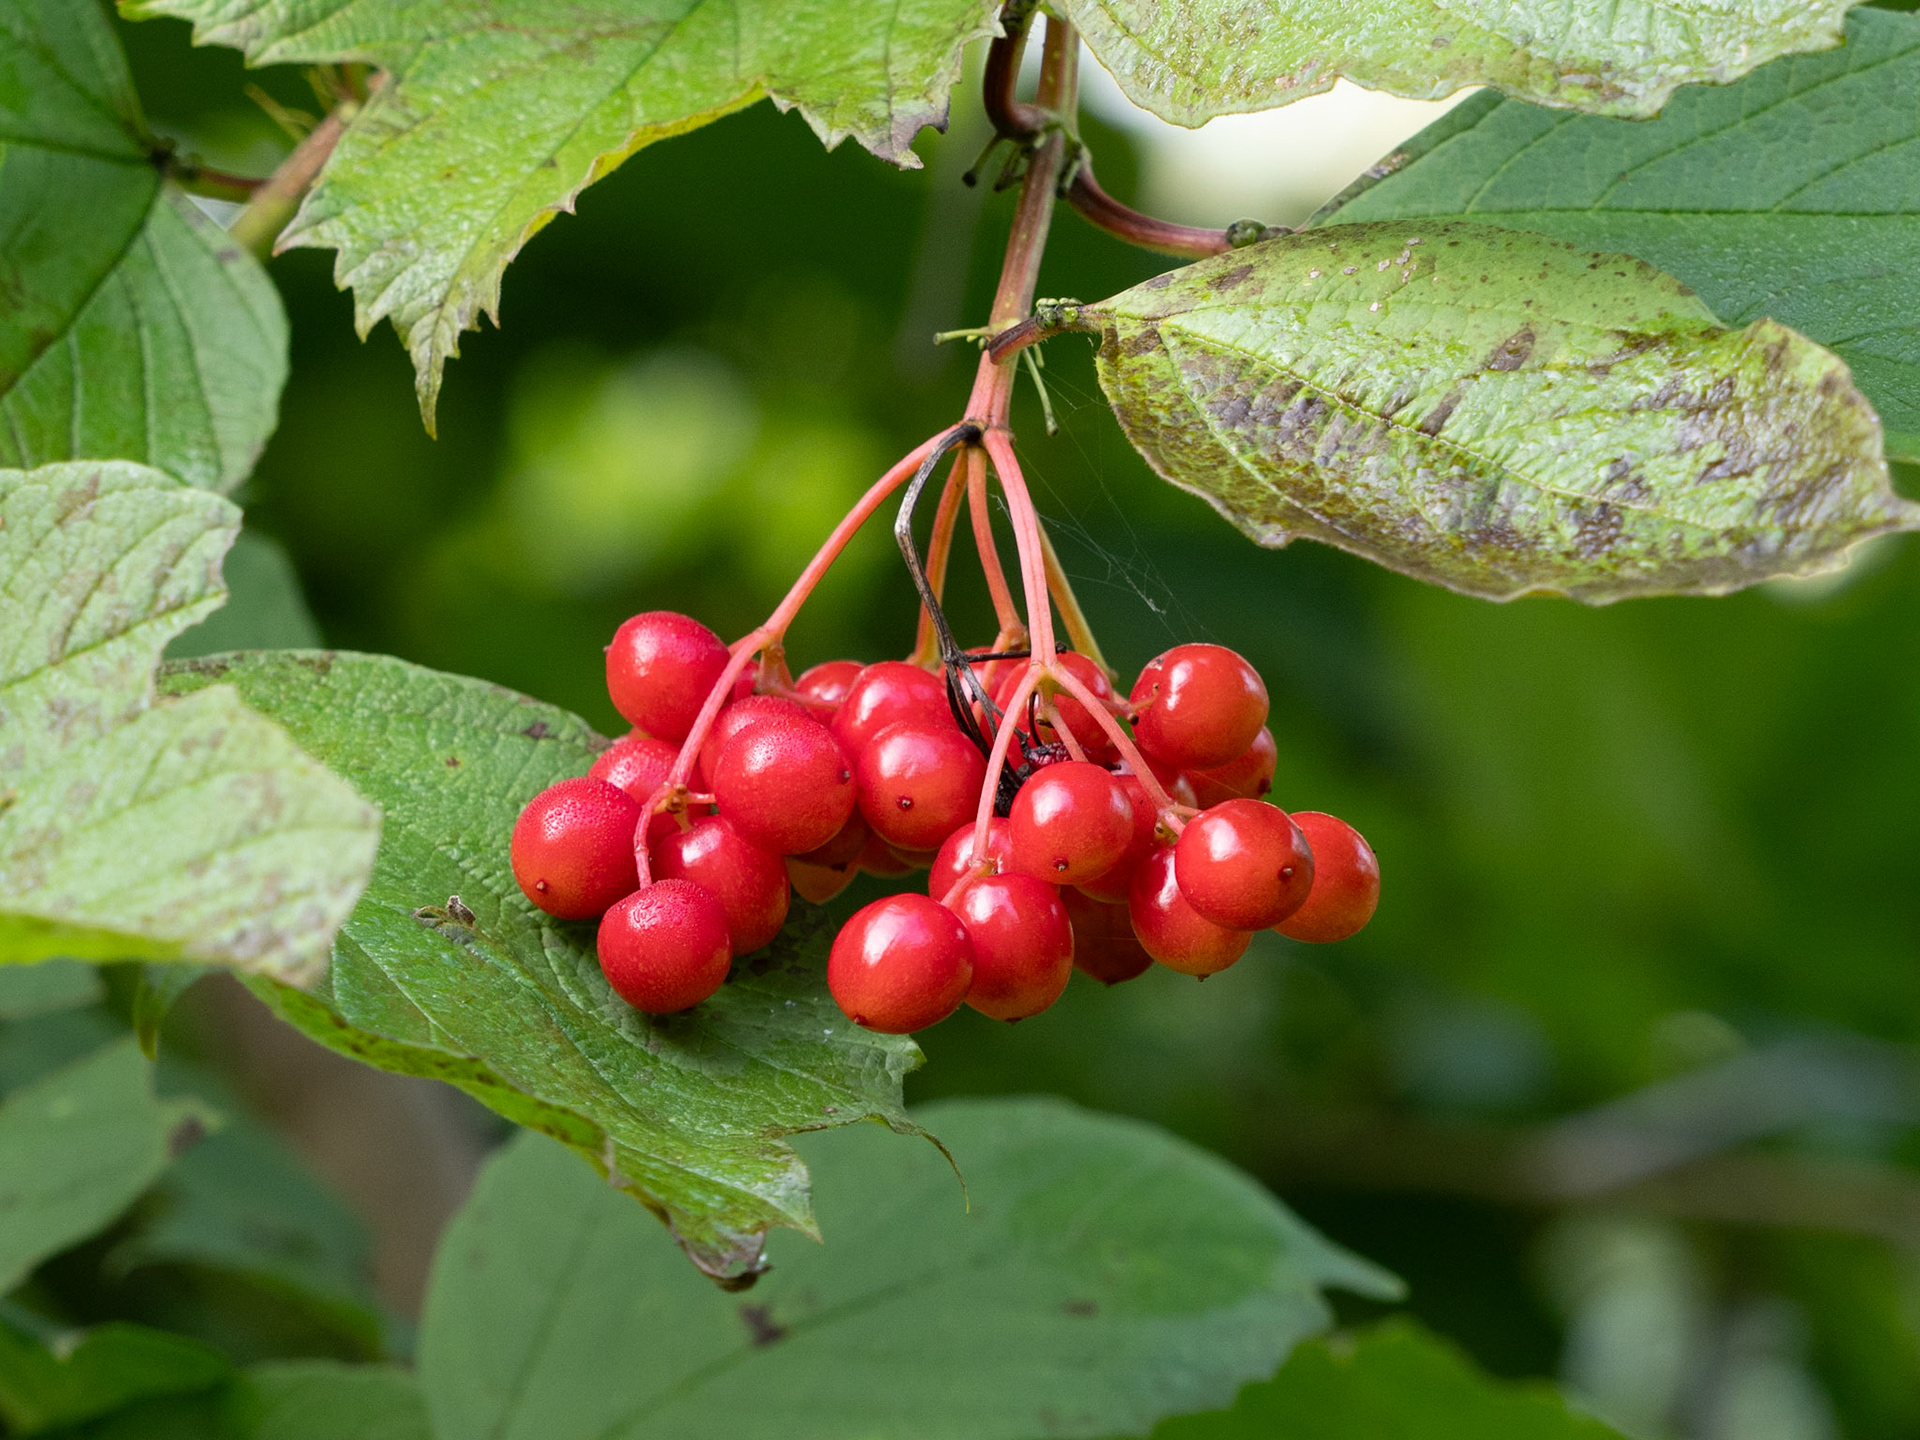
x=265, y=609
x=99, y=1371
x=1188, y=63
x=320, y=1400
x=446, y=970
x=500, y=113
x=1395, y=1382
x=1494, y=412
x=27, y=990
x=75, y=1149
x=158, y=987
x=1105, y=1275
x=135, y=330
x=1794, y=194
x=130, y=829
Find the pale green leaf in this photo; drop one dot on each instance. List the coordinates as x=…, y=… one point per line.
x=76, y=1148
x=1793, y=194
x=1104, y=1274
x=1192, y=61
x=1496, y=412
x=265, y=609
x=446, y=970
x=499, y=112
x=129, y=830
x=1395, y=1382
x=134, y=328
x=27, y=990
x=96, y=1371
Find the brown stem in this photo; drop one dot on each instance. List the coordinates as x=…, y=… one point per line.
x=259, y=225
x=198, y=179
x=1012, y=120
x=1099, y=208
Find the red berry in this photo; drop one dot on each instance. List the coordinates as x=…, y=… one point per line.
x=846, y=847
x=785, y=784
x=1346, y=881
x=1022, y=945
x=1070, y=822
x=1244, y=864
x=917, y=782
x=1170, y=929
x=665, y=948
x=572, y=847
x=737, y=717
x=825, y=686
x=1104, y=945
x=891, y=692
x=900, y=964
x=750, y=883
x=637, y=763
x=1246, y=777
x=819, y=883
x=912, y=859
x=1080, y=723
x=878, y=858
x=956, y=855
x=1111, y=887
x=1198, y=706
x=660, y=669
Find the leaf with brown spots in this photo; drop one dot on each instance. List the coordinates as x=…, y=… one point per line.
x=1497, y=412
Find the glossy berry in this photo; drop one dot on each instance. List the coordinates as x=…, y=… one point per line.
x=825, y=686
x=1022, y=945
x=956, y=855
x=785, y=784
x=1244, y=864
x=750, y=883
x=737, y=717
x=660, y=669
x=1198, y=706
x=637, y=763
x=890, y=693
x=917, y=782
x=1346, y=881
x=1084, y=728
x=912, y=859
x=878, y=858
x=1111, y=886
x=846, y=846
x=1070, y=823
x=1248, y=776
x=900, y=964
x=572, y=848
x=665, y=948
x=1170, y=929
x=819, y=883
x=1104, y=945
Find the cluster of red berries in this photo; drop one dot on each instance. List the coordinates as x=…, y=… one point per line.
x=874, y=767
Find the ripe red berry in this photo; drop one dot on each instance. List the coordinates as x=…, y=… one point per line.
x=846, y=846
x=956, y=855
x=1170, y=929
x=819, y=883
x=1247, y=776
x=665, y=948
x=1081, y=724
x=878, y=858
x=1104, y=945
x=572, y=847
x=917, y=782
x=660, y=669
x=737, y=717
x=1346, y=881
x=1070, y=822
x=912, y=859
x=750, y=883
x=1022, y=945
x=900, y=964
x=891, y=692
x=1111, y=887
x=825, y=686
x=1198, y=706
x=637, y=763
x=785, y=784
x=1244, y=864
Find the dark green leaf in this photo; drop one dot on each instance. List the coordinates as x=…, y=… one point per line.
x=1192, y=61
x=1793, y=194
x=1104, y=1275
x=135, y=830
x=1496, y=412
x=51, y=985
x=445, y=970
x=154, y=995
x=501, y=112
x=320, y=1400
x=1392, y=1383
x=96, y=1372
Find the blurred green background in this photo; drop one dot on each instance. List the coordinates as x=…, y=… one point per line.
x=1621, y=1078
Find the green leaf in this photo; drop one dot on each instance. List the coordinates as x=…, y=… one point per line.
x=76, y=1148
x=1190, y=62
x=445, y=970
x=1104, y=1275
x=154, y=995
x=97, y=1371
x=500, y=112
x=135, y=329
x=1394, y=1382
x=321, y=1400
x=265, y=608
x=1496, y=412
x=133, y=830
x=27, y=990
x=1793, y=194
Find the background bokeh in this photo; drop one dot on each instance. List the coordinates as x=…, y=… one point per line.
x=1622, y=1077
